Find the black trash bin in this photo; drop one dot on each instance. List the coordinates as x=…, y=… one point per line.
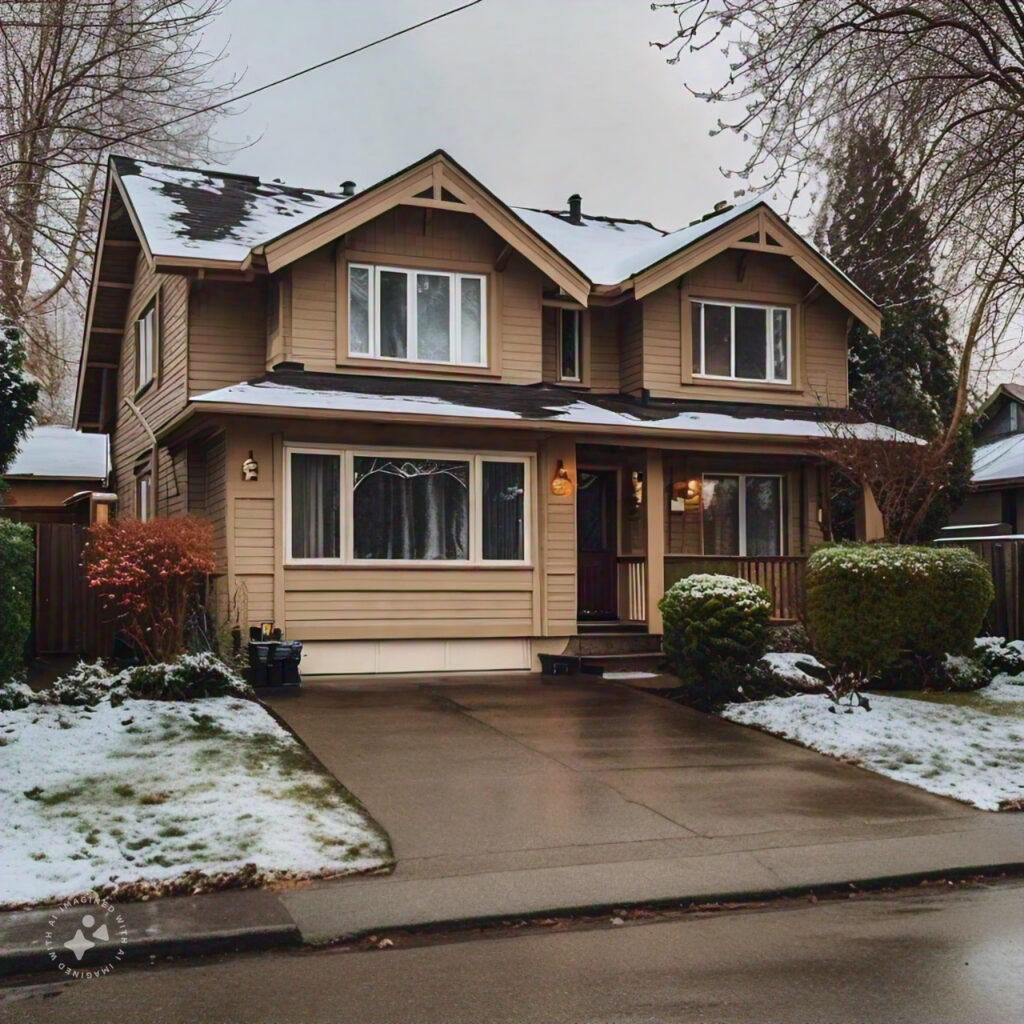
x=275, y=662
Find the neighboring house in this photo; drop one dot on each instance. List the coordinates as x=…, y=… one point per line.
x=435, y=432
x=996, y=500
x=53, y=468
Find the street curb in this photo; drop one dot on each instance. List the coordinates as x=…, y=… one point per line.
x=864, y=885
x=33, y=960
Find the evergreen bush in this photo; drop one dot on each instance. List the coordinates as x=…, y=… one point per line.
x=17, y=569
x=715, y=630
x=870, y=607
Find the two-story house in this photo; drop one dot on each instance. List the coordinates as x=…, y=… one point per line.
x=436, y=432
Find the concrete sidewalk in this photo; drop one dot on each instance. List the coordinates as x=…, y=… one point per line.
x=514, y=797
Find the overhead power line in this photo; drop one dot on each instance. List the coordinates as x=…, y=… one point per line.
x=270, y=85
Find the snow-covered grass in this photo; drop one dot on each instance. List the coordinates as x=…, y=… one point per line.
x=965, y=745
x=151, y=797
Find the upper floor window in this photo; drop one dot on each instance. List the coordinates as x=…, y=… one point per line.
x=145, y=347
x=569, y=345
x=424, y=316
x=741, y=342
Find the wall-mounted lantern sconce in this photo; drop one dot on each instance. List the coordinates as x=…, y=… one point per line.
x=685, y=495
x=637, y=483
x=561, y=485
x=250, y=468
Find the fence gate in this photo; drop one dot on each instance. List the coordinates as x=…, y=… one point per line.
x=68, y=616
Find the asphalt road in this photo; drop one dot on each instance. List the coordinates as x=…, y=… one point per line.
x=926, y=956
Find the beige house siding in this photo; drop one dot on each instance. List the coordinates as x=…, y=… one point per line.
x=164, y=397
x=632, y=355
x=408, y=236
x=605, y=328
x=818, y=332
x=227, y=334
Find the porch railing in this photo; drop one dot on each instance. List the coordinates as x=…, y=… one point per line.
x=632, y=583
x=781, y=576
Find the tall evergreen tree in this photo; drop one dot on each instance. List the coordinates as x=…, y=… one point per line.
x=907, y=377
x=17, y=395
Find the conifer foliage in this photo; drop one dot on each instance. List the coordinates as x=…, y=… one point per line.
x=18, y=394
x=907, y=378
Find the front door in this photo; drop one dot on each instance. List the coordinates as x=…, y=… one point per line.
x=596, y=545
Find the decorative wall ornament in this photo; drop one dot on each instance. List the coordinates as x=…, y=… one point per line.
x=561, y=484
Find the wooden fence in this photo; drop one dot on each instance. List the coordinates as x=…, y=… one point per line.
x=1005, y=558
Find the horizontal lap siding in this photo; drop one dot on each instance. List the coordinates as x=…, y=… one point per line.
x=444, y=236
x=406, y=603
x=227, y=332
x=766, y=278
x=633, y=355
x=604, y=349
x=166, y=395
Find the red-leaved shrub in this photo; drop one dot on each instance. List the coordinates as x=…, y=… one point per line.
x=150, y=574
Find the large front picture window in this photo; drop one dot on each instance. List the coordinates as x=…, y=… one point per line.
x=425, y=316
x=742, y=515
x=358, y=507
x=736, y=342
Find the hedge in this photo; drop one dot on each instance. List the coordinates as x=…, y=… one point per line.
x=868, y=605
x=17, y=569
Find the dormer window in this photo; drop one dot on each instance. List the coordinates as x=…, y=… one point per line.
x=421, y=316
x=570, y=348
x=733, y=341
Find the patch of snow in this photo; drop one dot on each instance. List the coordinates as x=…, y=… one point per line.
x=62, y=452
x=149, y=790
x=999, y=460
x=155, y=195
x=949, y=749
x=271, y=395
x=784, y=664
x=630, y=675
x=1005, y=688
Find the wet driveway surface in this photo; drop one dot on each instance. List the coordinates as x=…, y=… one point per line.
x=514, y=771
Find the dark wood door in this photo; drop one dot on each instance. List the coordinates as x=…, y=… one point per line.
x=596, y=545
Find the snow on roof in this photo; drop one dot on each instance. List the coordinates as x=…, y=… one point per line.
x=999, y=460
x=185, y=212
x=61, y=453
x=551, y=406
x=609, y=251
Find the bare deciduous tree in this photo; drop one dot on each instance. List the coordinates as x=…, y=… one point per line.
x=77, y=78
x=946, y=81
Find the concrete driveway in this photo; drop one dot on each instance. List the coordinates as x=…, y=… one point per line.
x=472, y=776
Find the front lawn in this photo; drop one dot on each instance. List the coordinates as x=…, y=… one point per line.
x=965, y=745
x=153, y=797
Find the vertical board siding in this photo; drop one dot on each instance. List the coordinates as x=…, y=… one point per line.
x=227, y=334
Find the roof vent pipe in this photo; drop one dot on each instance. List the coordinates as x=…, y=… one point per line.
x=348, y=188
x=575, y=208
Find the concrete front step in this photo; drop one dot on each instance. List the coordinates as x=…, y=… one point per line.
x=622, y=662
x=614, y=643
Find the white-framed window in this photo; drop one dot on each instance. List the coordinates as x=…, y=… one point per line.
x=144, y=496
x=570, y=345
x=742, y=514
x=423, y=316
x=145, y=347
x=740, y=341
x=371, y=506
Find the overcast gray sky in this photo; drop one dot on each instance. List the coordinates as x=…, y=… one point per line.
x=537, y=98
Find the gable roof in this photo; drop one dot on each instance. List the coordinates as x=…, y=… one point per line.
x=60, y=453
x=1013, y=392
x=999, y=463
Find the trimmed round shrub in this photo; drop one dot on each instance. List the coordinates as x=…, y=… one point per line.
x=190, y=677
x=870, y=605
x=715, y=630
x=17, y=569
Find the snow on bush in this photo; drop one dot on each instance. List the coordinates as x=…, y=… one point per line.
x=869, y=605
x=715, y=630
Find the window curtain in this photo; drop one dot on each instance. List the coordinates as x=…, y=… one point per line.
x=316, y=504
x=763, y=512
x=721, y=511
x=411, y=509
x=503, y=519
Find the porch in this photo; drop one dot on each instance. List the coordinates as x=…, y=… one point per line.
x=646, y=518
